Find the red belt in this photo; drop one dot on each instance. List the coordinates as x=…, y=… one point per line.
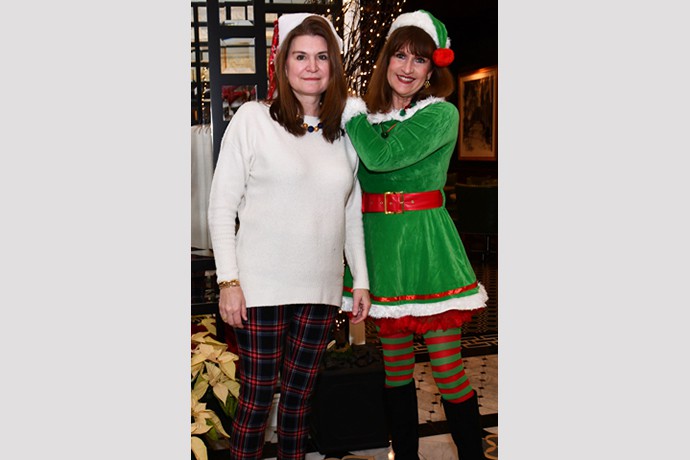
x=398, y=202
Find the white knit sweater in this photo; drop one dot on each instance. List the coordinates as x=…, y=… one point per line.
x=299, y=206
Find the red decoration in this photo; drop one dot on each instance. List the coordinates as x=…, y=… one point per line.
x=271, y=62
x=412, y=297
x=442, y=57
x=422, y=324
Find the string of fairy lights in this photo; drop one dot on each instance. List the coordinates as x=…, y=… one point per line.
x=365, y=25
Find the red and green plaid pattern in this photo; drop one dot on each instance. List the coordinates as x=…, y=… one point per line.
x=290, y=340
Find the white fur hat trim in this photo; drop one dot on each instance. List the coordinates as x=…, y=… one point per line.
x=421, y=20
x=287, y=22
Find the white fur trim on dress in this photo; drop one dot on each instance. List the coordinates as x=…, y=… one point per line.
x=353, y=107
x=376, y=118
x=378, y=310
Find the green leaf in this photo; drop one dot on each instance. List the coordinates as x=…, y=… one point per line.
x=212, y=433
x=230, y=406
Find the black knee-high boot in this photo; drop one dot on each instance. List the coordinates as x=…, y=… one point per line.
x=466, y=428
x=403, y=421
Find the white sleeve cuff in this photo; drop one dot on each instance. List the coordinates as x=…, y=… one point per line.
x=353, y=107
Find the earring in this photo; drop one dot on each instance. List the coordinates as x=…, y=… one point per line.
x=427, y=84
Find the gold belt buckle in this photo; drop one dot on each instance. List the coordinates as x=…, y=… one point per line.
x=401, y=200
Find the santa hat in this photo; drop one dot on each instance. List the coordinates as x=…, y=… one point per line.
x=443, y=55
x=281, y=28
x=287, y=22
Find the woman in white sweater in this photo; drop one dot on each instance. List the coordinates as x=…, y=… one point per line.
x=288, y=172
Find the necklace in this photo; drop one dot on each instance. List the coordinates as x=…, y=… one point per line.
x=311, y=128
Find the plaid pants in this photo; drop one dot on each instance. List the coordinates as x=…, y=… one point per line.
x=290, y=339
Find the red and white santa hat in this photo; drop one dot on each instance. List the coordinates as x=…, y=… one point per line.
x=281, y=28
x=287, y=22
x=443, y=55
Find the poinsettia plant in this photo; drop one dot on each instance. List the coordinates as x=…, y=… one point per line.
x=213, y=377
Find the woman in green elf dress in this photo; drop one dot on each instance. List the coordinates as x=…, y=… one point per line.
x=421, y=281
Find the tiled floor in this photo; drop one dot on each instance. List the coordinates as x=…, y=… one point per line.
x=435, y=443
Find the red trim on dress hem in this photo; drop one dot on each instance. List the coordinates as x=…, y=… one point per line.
x=411, y=297
x=420, y=324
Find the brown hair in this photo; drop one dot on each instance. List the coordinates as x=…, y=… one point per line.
x=286, y=108
x=379, y=95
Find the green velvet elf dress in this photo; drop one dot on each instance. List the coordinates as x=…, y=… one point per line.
x=419, y=275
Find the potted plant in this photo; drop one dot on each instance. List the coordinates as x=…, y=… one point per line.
x=214, y=390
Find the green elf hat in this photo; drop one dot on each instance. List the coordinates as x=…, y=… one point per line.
x=443, y=55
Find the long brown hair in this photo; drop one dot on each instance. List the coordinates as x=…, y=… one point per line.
x=286, y=108
x=379, y=95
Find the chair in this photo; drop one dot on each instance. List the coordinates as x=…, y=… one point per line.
x=477, y=214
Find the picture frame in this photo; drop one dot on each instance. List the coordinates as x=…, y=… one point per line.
x=478, y=107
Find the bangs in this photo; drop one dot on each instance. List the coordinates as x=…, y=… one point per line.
x=414, y=39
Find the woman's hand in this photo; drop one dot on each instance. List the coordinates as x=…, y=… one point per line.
x=361, y=303
x=232, y=306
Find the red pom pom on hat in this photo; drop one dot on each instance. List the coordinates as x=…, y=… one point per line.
x=442, y=57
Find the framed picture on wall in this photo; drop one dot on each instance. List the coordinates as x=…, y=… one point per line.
x=478, y=104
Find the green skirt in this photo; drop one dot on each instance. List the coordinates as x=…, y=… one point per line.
x=417, y=266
